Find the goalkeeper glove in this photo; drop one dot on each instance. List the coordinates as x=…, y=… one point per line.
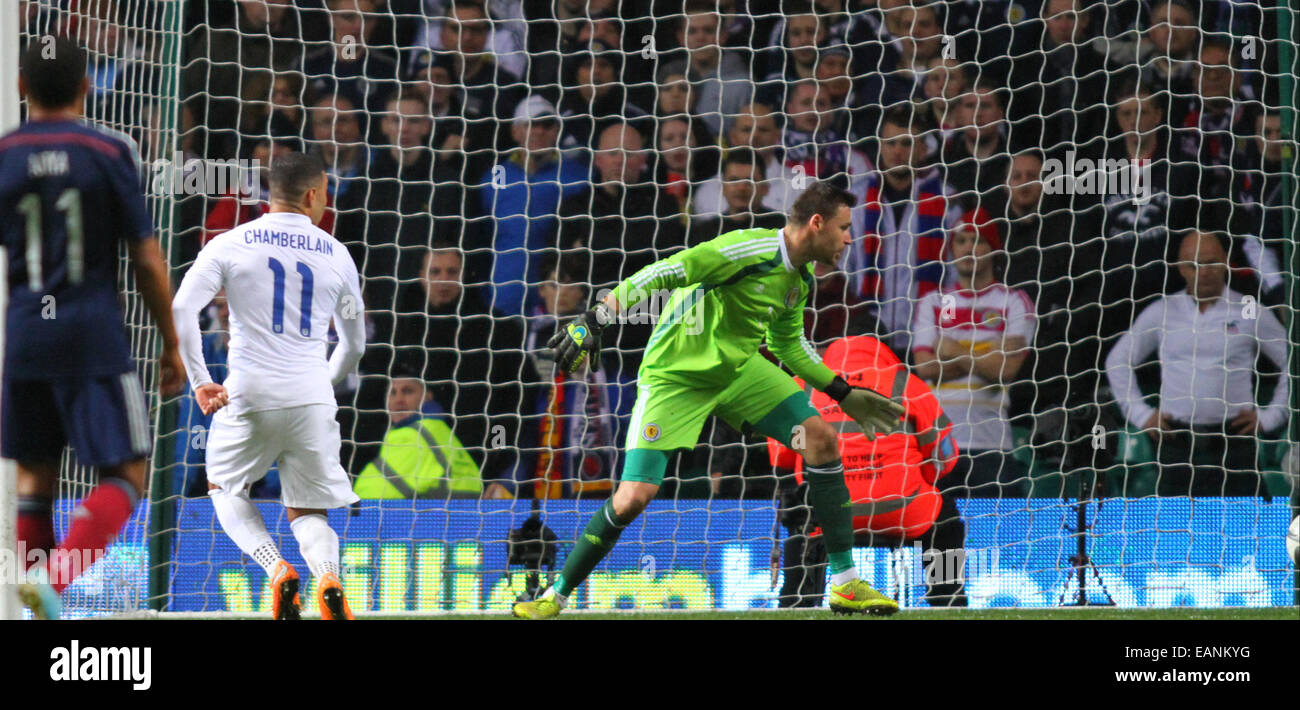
x=579, y=341
x=875, y=413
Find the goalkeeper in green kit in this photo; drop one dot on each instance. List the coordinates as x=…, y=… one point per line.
x=702, y=359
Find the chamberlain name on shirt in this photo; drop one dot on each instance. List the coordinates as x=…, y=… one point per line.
x=288, y=239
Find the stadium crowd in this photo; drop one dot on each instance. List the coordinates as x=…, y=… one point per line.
x=494, y=165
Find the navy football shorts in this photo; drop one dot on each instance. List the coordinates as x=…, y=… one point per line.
x=104, y=418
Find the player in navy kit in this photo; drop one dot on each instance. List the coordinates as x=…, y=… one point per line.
x=69, y=194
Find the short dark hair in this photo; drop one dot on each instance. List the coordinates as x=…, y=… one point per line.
x=904, y=116
x=293, y=174
x=819, y=198
x=53, y=71
x=743, y=155
x=568, y=266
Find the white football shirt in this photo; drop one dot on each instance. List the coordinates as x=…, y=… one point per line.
x=285, y=279
x=980, y=320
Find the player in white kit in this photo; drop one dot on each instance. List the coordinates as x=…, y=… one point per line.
x=284, y=280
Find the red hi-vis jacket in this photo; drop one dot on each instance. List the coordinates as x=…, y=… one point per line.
x=891, y=480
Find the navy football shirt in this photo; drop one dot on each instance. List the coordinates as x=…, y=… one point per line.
x=69, y=193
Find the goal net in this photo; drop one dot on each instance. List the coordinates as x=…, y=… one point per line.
x=1073, y=222
x=133, y=60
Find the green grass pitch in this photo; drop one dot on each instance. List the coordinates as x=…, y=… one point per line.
x=1063, y=614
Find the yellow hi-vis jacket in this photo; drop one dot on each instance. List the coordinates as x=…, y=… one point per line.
x=420, y=459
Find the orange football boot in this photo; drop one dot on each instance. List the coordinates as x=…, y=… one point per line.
x=329, y=596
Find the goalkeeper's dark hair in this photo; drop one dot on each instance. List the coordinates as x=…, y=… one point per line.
x=820, y=198
x=53, y=71
x=293, y=174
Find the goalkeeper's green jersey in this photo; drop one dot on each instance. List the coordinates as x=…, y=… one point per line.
x=730, y=293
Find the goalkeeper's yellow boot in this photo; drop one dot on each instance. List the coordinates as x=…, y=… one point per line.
x=546, y=607
x=857, y=597
x=35, y=593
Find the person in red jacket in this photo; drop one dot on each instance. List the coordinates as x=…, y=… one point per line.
x=892, y=480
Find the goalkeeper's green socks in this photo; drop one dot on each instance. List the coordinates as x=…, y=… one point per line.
x=595, y=542
x=829, y=495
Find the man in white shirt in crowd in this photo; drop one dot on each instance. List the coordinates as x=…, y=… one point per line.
x=970, y=340
x=1207, y=340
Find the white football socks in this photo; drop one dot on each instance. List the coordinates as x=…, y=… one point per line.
x=844, y=577
x=318, y=543
x=241, y=521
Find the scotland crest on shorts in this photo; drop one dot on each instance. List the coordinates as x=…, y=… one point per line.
x=650, y=432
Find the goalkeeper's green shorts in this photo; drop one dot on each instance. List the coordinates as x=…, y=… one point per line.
x=669, y=415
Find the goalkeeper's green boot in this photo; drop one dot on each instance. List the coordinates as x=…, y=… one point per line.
x=543, y=608
x=857, y=597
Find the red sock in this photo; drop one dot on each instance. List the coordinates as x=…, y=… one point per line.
x=35, y=527
x=95, y=523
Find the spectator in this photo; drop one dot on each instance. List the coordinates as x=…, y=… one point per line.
x=754, y=128
x=1207, y=341
x=387, y=225
x=555, y=31
x=720, y=80
x=283, y=116
x=1052, y=257
x=1137, y=218
x=795, y=58
x=1171, y=44
x=904, y=64
x=1258, y=206
x=487, y=92
x=576, y=434
x=893, y=481
x=231, y=68
x=685, y=160
x=507, y=32
x=421, y=457
x=597, y=98
x=971, y=340
x=450, y=123
x=674, y=95
x=815, y=147
x=945, y=83
x=899, y=257
x=337, y=137
x=1059, y=82
x=625, y=221
x=470, y=355
x=523, y=194
x=350, y=67
x=1222, y=111
x=744, y=186
x=976, y=159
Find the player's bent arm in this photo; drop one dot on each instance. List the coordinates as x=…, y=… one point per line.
x=786, y=340
x=198, y=287
x=701, y=264
x=1001, y=364
x=350, y=321
x=927, y=364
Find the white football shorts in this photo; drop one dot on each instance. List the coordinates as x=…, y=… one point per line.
x=304, y=440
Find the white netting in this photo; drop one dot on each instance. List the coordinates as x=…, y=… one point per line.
x=480, y=178
x=132, y=64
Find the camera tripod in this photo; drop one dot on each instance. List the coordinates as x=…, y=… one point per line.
x=1080, y=562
